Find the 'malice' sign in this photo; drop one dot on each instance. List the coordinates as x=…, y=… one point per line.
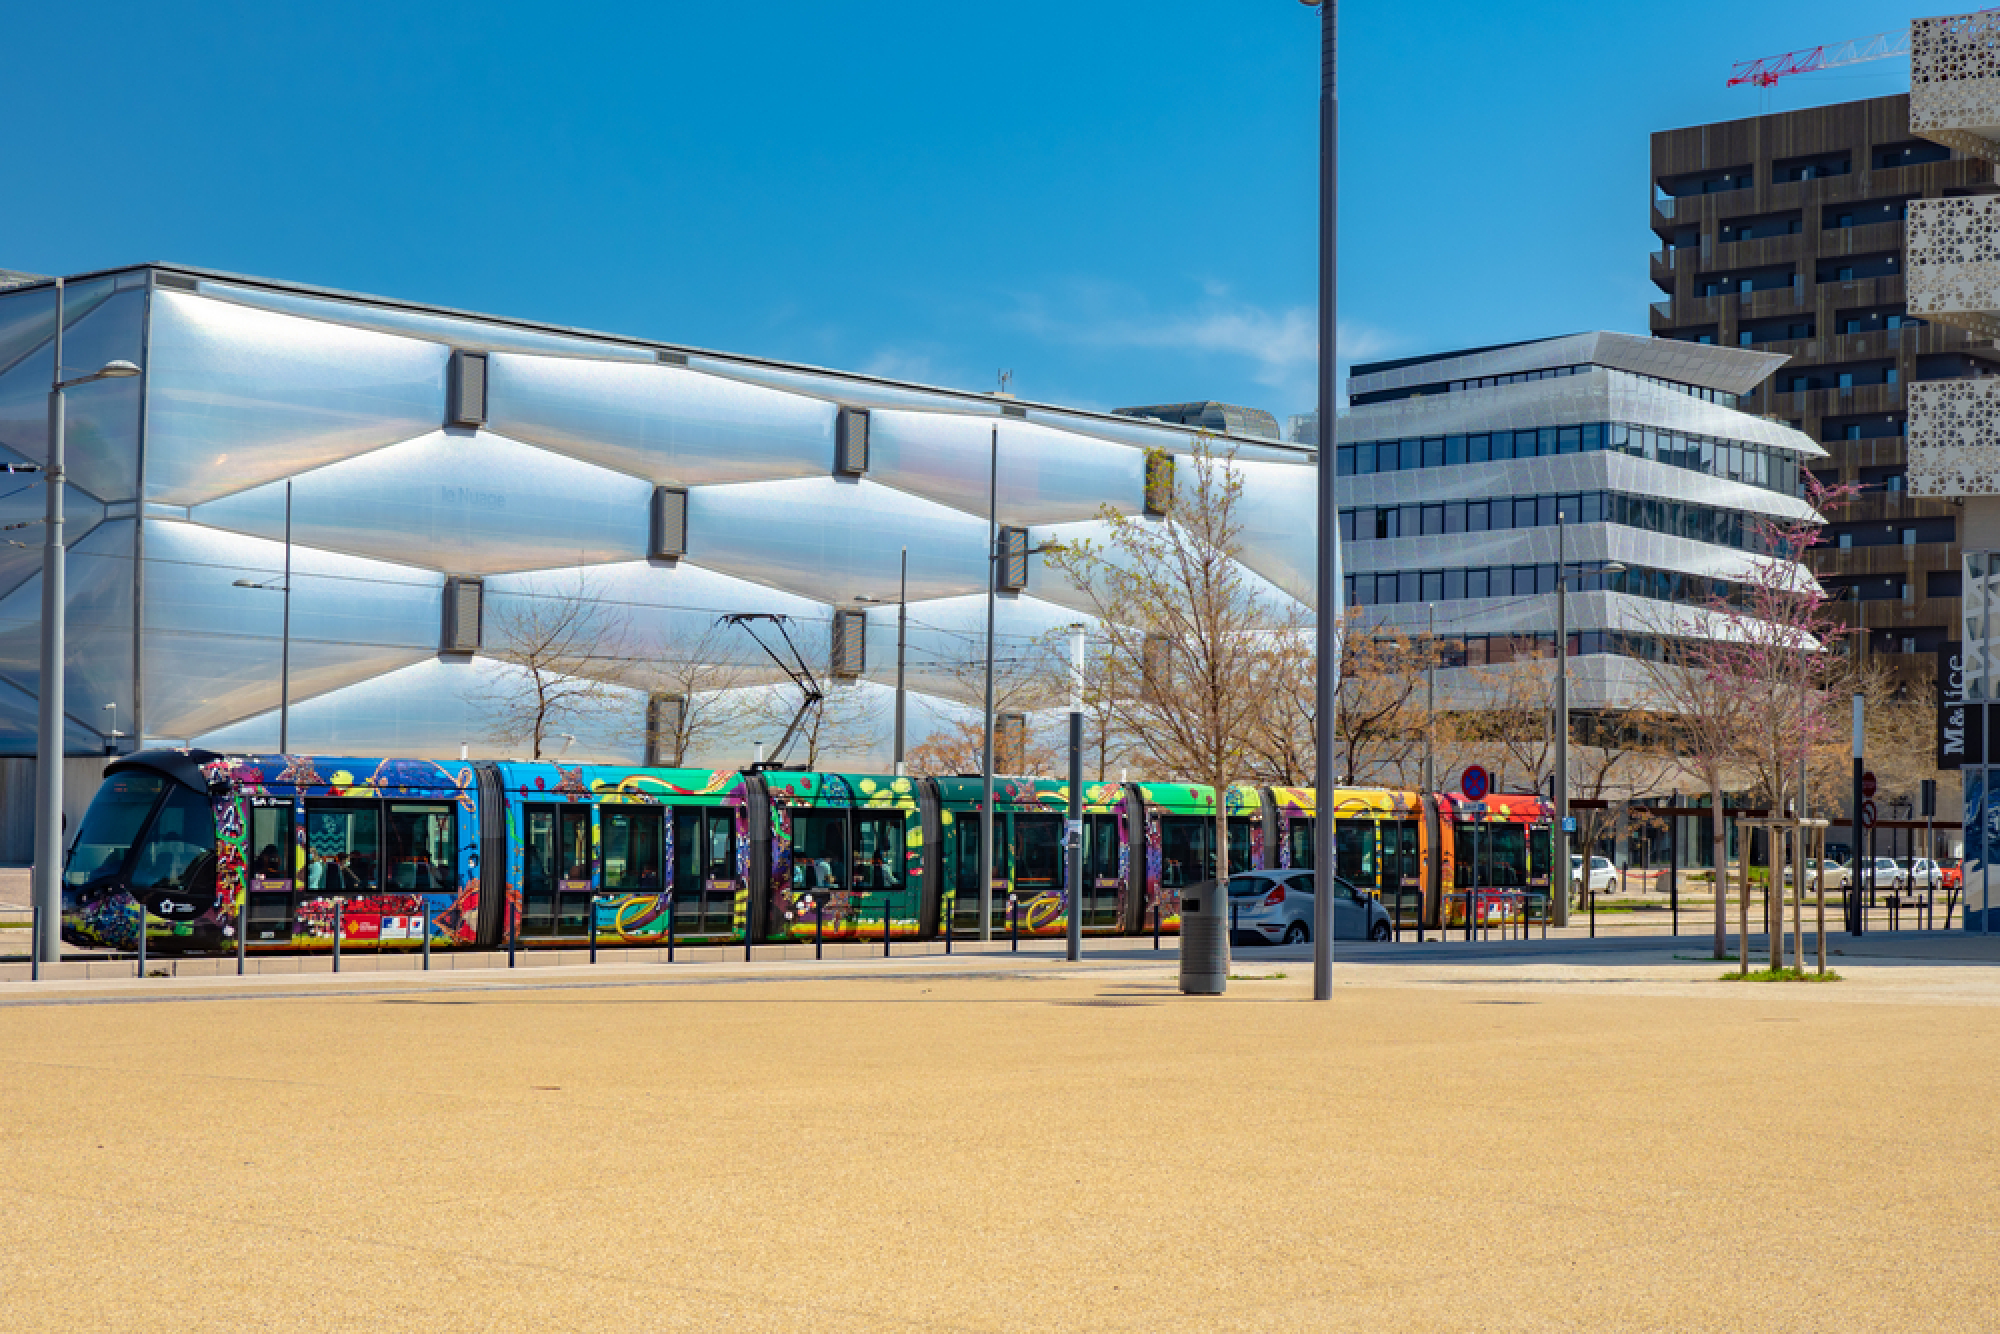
x=1961, y=725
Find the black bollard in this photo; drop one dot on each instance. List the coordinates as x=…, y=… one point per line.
x=1014, y=930
x=670, y=926
x=142, y=936
x=339, y=925
x=819, y=926
x=1156, y=924
x=427, y=935
x=242, y=932
x=885, y=925
x=592, y=909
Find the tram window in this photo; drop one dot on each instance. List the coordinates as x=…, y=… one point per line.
x=1037, y=853
x=343, y=844
x=575, y=848
x=819, y=849
x=1239, y=845
x=271, y=844
x=721, y=850
x=1510, y=855
x=1301, y=833
x=1413, y=861
x=632, y=848
x=422, y=848
x=878, y=851
x=1187, y=850
x=112, y=823
x=1354, y=851
x=1100, y=847
x=181, y=839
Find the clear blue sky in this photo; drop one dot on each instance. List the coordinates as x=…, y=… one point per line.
x=1114, y=201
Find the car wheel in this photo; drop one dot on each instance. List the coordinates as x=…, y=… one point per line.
x=1379, y=932
x=1296, y=934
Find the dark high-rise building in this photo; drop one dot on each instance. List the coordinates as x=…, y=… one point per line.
x=1785, y=233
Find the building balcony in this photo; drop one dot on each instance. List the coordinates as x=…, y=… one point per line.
x=1955, y=82
x=1887, y=290
x=1864, y=240
x=1859, y=399
x=1694, y=310
x=1952, y=267
x=1955, y=437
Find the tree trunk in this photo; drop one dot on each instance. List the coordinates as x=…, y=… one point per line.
x=1721, y=872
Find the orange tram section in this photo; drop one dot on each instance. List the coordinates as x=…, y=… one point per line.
x=194, y=847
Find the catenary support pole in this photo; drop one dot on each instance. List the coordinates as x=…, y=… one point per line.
x=902, y=649
x=985, y=871
x=47, y=889
x=1559, y=876
x=1430, y=699
x=1327, y=602
x=285, y=639
x=1854, y=902
x=1074, y=944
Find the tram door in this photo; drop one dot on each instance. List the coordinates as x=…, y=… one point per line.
x=272, y=868
x=557, y=884
x=1100, y=873
x=1038, y=870
x=704, y=871
x=961, y=865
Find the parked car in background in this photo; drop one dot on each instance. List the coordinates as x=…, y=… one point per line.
x=1275, y=907
x=1951, y=873
x=1884, y=873
x=1603, y=875
x=1922, y=873
x=1837, y=877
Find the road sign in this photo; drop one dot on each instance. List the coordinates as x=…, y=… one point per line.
x=1867, y=814
x=1868, y=785
x=1474, y=782
x=1569, y=824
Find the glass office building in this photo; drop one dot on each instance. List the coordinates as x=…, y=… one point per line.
x=435, y=468
x=1456, y=470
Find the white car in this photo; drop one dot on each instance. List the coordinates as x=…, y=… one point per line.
x=1885, y=873
x=1923, y=873
x=1603, y=875
x=1836, y=876
x=1275, y=907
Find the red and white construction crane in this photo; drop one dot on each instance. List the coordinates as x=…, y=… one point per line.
x=1831, y=55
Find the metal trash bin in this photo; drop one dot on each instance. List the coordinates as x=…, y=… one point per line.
x=1205, y=939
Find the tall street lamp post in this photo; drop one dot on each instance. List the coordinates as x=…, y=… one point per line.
x=47, y=888
x=284, y=585
x=1326, y=604
x=902, y=649
x=1559, y=876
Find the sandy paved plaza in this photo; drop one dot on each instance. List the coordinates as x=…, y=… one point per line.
x=1004, y=1146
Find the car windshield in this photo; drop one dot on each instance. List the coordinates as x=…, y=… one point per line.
x=116, y=815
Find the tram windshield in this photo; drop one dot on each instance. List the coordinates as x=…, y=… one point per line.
x=112, y=824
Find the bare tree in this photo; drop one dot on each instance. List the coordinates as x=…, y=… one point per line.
x=1185, y=643
x=703, y=680
x=1747, y=686
x=559, y=653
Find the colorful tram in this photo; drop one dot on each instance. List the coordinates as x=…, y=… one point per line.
x=193, y=843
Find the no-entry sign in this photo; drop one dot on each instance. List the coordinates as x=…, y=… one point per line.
x=1474, y=783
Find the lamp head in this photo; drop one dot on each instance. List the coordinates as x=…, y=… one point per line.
x=118, y=370
x=1613, y=567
